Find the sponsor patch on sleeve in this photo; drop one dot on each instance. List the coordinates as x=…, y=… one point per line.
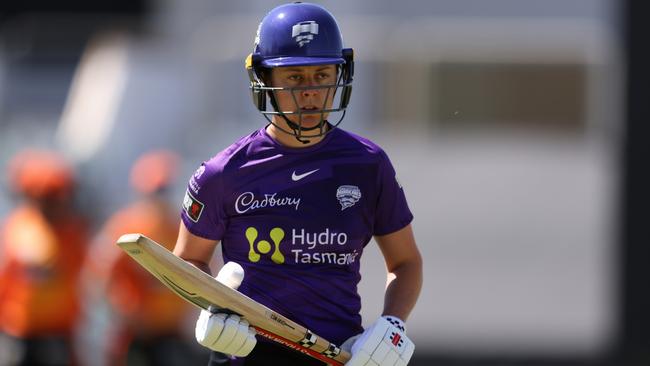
x=193, y=207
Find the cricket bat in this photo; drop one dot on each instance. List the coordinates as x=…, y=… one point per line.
x=202, y=290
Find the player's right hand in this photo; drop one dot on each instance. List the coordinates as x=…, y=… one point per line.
x=226, y=333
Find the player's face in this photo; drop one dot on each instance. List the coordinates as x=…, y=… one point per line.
x=308, y=101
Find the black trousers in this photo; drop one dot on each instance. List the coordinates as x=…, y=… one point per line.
x=169, y=350
x=37, y=351
x=266, y=354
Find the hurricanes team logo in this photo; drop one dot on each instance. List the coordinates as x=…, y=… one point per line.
x=348, y=196
x=194, y=184
x=304, y=32
x=199, y=172
x=263, y=246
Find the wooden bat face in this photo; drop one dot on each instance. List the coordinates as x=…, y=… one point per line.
x=202, y=290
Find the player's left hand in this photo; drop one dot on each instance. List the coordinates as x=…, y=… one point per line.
x=384, y=343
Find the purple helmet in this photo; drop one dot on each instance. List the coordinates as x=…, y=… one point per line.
x=299, y=34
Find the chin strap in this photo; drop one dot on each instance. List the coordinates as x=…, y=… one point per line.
x=305, y=142
x=297, y=131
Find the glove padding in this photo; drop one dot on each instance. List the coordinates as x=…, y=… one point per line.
x=226, y=333
x=384, y=343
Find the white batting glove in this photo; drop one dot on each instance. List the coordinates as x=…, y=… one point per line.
x=384, y=343
x=226, y=333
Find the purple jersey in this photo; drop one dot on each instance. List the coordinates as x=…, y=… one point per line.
x=297, y=220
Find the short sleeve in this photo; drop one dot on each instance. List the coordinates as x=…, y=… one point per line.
x=203, y=213
x=392, y=212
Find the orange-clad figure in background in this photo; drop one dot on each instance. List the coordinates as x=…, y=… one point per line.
x=152, y=320
x=42, y=247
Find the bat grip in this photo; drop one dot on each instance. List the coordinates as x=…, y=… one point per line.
x=215, y=309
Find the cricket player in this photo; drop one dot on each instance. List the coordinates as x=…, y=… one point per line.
x=295, y=203
x=148, y=321
x=43, y=243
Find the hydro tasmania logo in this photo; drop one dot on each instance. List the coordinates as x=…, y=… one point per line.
x=306, y=246
x=304, y=32
x=263, y=246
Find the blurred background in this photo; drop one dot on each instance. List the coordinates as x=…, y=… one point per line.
x=509, y=123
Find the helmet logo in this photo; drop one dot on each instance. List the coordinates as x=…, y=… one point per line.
x=304, y=32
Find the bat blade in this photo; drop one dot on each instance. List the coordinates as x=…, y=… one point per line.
x=205, y=292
